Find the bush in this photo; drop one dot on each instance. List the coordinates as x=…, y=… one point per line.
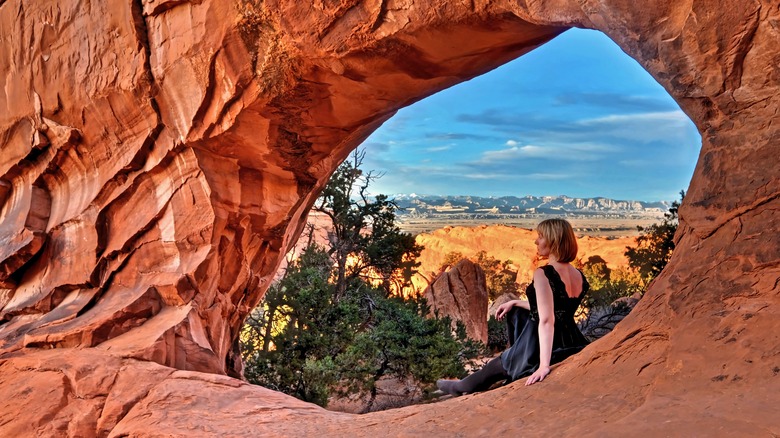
x=600, y=310
x=401, y=342
x=655, y=245
x=327, y=327
x=322, y=347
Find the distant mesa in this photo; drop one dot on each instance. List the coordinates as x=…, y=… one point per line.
x=421, y=206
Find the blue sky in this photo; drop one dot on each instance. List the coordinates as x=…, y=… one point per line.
x=575, y=117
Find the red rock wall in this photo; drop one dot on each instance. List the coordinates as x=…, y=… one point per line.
x=158, y=157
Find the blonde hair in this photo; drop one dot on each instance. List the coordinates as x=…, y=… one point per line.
x=560, y=237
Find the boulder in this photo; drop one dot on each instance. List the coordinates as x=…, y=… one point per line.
x=503, y=298
x=460, y=292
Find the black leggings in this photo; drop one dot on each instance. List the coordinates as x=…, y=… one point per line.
x=483, y=379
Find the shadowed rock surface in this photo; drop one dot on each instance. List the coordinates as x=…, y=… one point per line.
x=158, y=157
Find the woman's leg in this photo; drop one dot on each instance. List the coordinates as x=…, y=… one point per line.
x=482, y=380
x=516, y=320
x=511, y=323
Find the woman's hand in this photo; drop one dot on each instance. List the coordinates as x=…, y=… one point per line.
x=504, y=309
x=538, y=376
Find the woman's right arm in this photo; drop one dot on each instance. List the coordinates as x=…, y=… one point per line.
x=506, y=307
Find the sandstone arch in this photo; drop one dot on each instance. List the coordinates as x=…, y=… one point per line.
x=159, y=155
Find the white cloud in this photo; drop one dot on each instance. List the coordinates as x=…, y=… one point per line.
x=531, y=150
x=439, y=148
x=669, y=126
x=511, y=143
x=577, y=151
x=591, y=147
x=549, y=176
x=666, y=116
x=485, y=176
x=513, y=153
x=497, y=176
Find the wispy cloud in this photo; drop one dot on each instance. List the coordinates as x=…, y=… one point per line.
x=485, y=176
x=582, y=134
x=375, y=146
x=607, y=129
x=457, y=136
x=674, y=117
x=634, y=163
x=616, y=102
x=498, y=176
x=576, y=152
x=495, y=117
x=550, y=176
x=511, y=154
x=668, y=126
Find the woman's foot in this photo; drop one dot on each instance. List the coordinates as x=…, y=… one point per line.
x=448, y=387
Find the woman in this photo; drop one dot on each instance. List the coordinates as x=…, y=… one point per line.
x=542, y=330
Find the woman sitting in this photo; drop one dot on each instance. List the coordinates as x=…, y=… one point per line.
x=542, y=330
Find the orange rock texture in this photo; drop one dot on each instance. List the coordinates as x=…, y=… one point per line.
x=158, y=157
x=505, y=243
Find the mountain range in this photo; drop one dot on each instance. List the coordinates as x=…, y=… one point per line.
x=415, y=205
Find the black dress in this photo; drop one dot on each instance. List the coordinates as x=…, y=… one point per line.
x=522, y=357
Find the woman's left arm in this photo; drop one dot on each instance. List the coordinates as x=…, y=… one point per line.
x=544, y=302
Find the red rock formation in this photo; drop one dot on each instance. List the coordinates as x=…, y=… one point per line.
x=460, y=292
x=505, y=243
x=159, y=156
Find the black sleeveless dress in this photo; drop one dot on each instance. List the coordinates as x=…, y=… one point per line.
x=522, y=357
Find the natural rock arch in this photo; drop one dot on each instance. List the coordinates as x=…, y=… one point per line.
x=159, y=156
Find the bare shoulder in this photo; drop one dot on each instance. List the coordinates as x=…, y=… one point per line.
x=540, y=278
x=539, y=273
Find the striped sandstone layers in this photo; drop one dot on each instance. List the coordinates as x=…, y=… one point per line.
x=159, y=156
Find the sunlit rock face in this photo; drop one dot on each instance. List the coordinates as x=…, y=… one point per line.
x=505, y=243
x=158, y=157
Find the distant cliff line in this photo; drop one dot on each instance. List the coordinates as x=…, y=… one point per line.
x=422, y=206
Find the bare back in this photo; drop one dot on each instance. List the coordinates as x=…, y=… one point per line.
x=571, y=278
